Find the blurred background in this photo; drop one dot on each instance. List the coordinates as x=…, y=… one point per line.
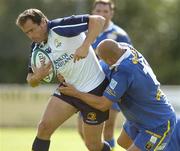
x=154, y=28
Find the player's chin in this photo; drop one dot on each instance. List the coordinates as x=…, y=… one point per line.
x=37, y=40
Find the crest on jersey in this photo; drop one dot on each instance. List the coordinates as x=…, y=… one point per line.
x=113, y=84
x=57, y=43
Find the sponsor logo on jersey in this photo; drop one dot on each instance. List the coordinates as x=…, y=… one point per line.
x=153, y=139
x=63, y=60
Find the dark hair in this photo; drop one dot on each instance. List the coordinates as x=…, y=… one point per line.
x=106, y=2
x=34, y=14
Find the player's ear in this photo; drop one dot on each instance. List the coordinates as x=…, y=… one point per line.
x=43, y=22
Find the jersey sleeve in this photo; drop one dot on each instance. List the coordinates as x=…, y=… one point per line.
x=122, y=35
x=118, y=85
x=70, y=26
x=123, y=38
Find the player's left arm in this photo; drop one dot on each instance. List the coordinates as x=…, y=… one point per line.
x=95, y=26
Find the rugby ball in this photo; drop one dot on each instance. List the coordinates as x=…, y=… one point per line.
x=37, y=57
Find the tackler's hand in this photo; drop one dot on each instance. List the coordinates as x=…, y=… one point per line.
x=68, y=89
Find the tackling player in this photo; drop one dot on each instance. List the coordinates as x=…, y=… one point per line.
x=65, y=42
x=105, y=8
x=150, y=118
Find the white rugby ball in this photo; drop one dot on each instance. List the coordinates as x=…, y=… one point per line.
x=37, y=57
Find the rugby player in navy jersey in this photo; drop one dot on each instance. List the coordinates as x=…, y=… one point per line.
x=174, y=144
x=150, y=118
x=105, y=8
x=65, y=42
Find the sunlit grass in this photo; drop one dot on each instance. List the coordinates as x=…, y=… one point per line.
x=20, y=139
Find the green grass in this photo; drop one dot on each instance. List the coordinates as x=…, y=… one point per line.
x=20, y=139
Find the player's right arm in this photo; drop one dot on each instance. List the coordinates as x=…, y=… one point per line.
x=32, y=80
x=95, y=27
x=35, y=75
x=74, y=25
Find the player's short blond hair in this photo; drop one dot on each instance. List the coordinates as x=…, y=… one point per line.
x=106, y=2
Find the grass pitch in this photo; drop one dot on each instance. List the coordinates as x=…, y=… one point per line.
x=20, y=139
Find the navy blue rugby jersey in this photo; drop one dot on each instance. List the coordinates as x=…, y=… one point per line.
x=65, y=36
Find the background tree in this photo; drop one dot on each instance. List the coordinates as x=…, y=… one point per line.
x=153, y=26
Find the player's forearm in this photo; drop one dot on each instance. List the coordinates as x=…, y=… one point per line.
x=33, y=80
x=98, y=102
x=95, y=27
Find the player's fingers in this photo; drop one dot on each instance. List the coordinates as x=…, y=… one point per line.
x=60, y=78
x=65, y=84
x=75, y=58
x=34, y=68
x=82, y=57
x=50, y=71
x=49, y=64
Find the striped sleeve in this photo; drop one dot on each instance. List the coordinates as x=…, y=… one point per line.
x=69, y=26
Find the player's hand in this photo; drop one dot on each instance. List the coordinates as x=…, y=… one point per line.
x=43, y=71
x=60, y=78
x=68, y=89
x=81, y=53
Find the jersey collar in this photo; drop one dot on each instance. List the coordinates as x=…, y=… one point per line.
x=124, y=56
x=110, y=26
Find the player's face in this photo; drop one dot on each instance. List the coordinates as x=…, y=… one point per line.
x=103, y=10
x=37, y=33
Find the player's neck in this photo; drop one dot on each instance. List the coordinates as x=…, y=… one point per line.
x=106, y=25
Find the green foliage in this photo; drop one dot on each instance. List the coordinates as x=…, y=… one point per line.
x=153, y=26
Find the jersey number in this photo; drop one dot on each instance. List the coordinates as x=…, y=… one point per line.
x=147, y=70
